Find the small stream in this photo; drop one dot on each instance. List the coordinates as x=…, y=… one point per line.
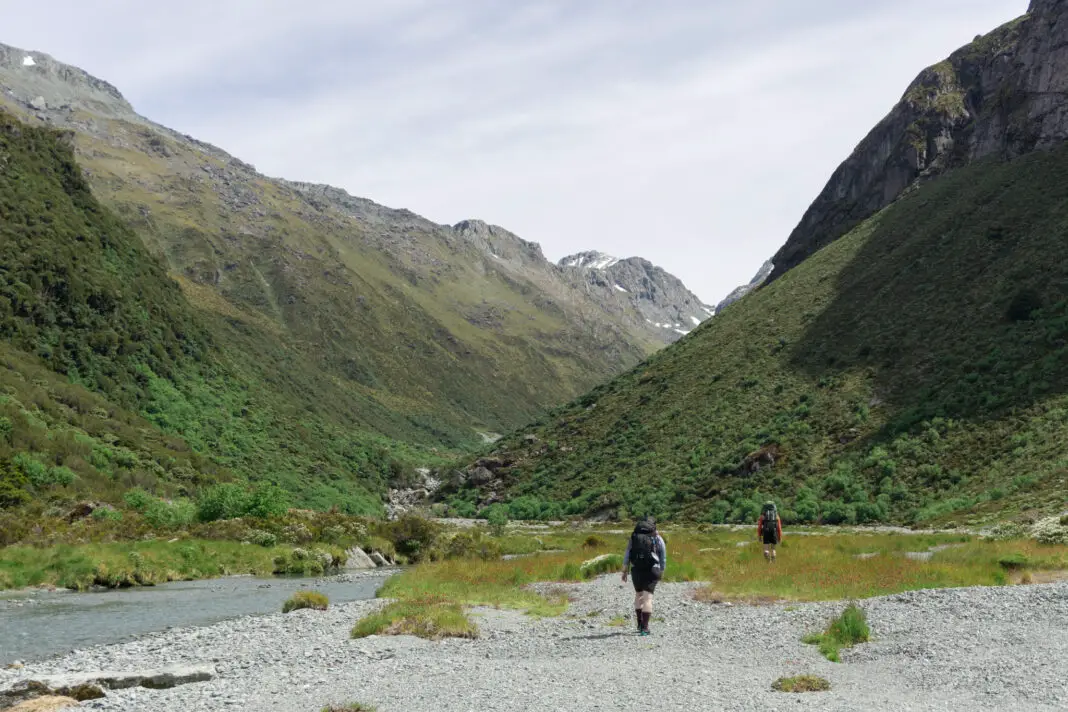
x=40, y=624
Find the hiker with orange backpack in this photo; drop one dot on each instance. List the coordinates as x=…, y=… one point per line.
x=645, y=559
x=769, y=529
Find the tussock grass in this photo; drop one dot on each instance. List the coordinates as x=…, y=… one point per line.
x=818, y=568
x=848, y=629
x=801, y=683
x=306, y=599
x=432, y=618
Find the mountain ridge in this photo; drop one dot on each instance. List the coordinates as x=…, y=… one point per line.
x=913, y=369
x=999, y=95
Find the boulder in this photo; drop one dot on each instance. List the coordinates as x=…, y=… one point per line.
x=378, y=559
x=481, y=476
x=358, y=559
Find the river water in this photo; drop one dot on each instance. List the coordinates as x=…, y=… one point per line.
x=41, y=624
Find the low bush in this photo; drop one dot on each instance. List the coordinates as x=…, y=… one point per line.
x=1050, y=531
x=471, y=545
x=594, y=542
x=261, y=538
x=1014, y=561
x=306, y=599
x=412, y=536
x=313, y=562
x=223, y=501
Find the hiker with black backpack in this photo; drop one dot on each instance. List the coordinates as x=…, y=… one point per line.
x=645, y=559
x=769, y=529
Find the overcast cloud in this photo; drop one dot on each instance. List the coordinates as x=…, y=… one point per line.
x=690, y=132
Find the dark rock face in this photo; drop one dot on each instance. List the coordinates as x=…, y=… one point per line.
x=1004, y=94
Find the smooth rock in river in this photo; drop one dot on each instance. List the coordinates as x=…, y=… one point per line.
x=358, y=559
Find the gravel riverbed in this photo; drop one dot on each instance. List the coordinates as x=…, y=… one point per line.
x=975, y=648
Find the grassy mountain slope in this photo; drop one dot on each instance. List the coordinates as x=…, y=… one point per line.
x=424, y=333
x=914, y=370
x=112, y=378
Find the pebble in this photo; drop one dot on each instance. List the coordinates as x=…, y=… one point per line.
x=979, y=649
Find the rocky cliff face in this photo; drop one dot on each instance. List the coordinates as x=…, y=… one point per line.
x=665, y=306
x=1004, y=94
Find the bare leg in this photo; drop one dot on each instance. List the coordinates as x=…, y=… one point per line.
x=772, y=548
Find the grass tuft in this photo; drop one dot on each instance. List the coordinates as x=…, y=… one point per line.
x=430, y=618
x=801, y=683
x=306, y=599
x=845, y=631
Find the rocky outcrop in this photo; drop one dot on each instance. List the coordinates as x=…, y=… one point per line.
x=160, y=679
x=1004, y=94
x=662, y=302
x=761, y=276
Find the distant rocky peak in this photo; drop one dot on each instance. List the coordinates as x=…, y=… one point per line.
x=589, y=260
x=38, y=80
x=498, y=242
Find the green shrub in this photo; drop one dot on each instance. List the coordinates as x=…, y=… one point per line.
x=594, y=542
x=138, y=500
x=306, y=599
x=1014, y=561
x=35, y=471
x=107, y=514
x=266, y=501
x=412, y=536
x=261, y=538
x=497, y=517
x=63, y=476
x=223, y=501
x=170, y=515
x=13, y=484
x=472, y=545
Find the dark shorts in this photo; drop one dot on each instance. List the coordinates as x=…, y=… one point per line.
x=645, y=580
x=771, y=539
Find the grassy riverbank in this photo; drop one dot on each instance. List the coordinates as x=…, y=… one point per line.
x=119, y=565
x=822, y=565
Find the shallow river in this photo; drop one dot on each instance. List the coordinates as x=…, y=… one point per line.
x=41, y=624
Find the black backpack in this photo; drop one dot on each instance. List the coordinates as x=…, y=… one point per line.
x=771, y=521
x=643, y=547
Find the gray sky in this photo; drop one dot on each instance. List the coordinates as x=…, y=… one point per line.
x=691, y=132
